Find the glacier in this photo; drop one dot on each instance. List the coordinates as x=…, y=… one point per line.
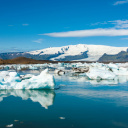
x=92, y=52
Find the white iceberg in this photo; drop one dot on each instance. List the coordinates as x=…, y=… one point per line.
x=117, y=70
x=121, y=71
x=112, y=66
x=11, y=80
x=95, y=73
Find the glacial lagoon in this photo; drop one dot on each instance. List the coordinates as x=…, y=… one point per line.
x=77, y=103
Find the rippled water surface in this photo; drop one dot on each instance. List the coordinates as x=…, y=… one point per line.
x=76, y=104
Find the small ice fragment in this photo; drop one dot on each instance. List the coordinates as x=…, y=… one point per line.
x=62, y=118
x=16, y=120
x=9, y=126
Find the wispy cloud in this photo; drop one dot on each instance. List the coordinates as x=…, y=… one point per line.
x=120, y=23
x=120, y=2
x=25, y=24
x=116, y=23
x=38, y=41
x=90, y=32
x=99, y=23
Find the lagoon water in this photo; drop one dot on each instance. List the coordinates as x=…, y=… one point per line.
x=76, y=104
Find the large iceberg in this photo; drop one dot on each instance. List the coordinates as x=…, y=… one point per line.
x=95, y=73
x=12, y=80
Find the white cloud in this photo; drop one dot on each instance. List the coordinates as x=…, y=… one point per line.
x=38, y=41
x=120, y=2
x=90, y=32
x=116, y=23
x=120, y=23
x=25, y=24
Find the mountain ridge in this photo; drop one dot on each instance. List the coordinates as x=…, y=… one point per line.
x=79, y=52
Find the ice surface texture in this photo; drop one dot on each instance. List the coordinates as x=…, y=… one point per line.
x=105, y=71
x=11, y=80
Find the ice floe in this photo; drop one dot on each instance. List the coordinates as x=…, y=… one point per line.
x=11, y=80
x=100, y=74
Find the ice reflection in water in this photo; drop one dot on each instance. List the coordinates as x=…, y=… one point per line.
x=78, y=78
x=110, y=91
x=80, y=103
x=44, y=97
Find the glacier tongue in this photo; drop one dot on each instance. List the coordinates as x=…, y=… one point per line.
x=11, y=80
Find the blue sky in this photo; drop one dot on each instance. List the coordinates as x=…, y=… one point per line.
x=36, y=24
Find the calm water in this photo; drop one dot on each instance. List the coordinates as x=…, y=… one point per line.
x=77, y=104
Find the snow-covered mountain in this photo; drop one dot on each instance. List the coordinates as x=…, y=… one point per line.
x=80, y=52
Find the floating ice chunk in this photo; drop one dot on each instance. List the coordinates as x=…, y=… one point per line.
x=100, y=74
x=16, y=120
x=13, y=81
x=9, y=126
x=32, y=67
x=112, y=66
x=121, y=71
x=62, y=118
x=61, y=64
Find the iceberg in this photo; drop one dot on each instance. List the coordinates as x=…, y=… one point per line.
x=95, y=73
x=12, y=80
x=112, y=66
x=117, y=70
x=121, y=71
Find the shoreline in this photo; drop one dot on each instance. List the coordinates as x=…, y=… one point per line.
x=24, y=60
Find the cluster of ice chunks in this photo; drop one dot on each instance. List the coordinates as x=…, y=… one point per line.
x=105, y=71
x=91, y=70
x=19, y=67
x=12, y=80
x=95, y=71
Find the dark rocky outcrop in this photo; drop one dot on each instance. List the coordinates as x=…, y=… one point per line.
x=120, y=57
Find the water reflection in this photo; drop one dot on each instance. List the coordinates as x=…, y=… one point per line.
x=117, y=96
x=110, y=91
x=84, y=79
x=44, y=97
